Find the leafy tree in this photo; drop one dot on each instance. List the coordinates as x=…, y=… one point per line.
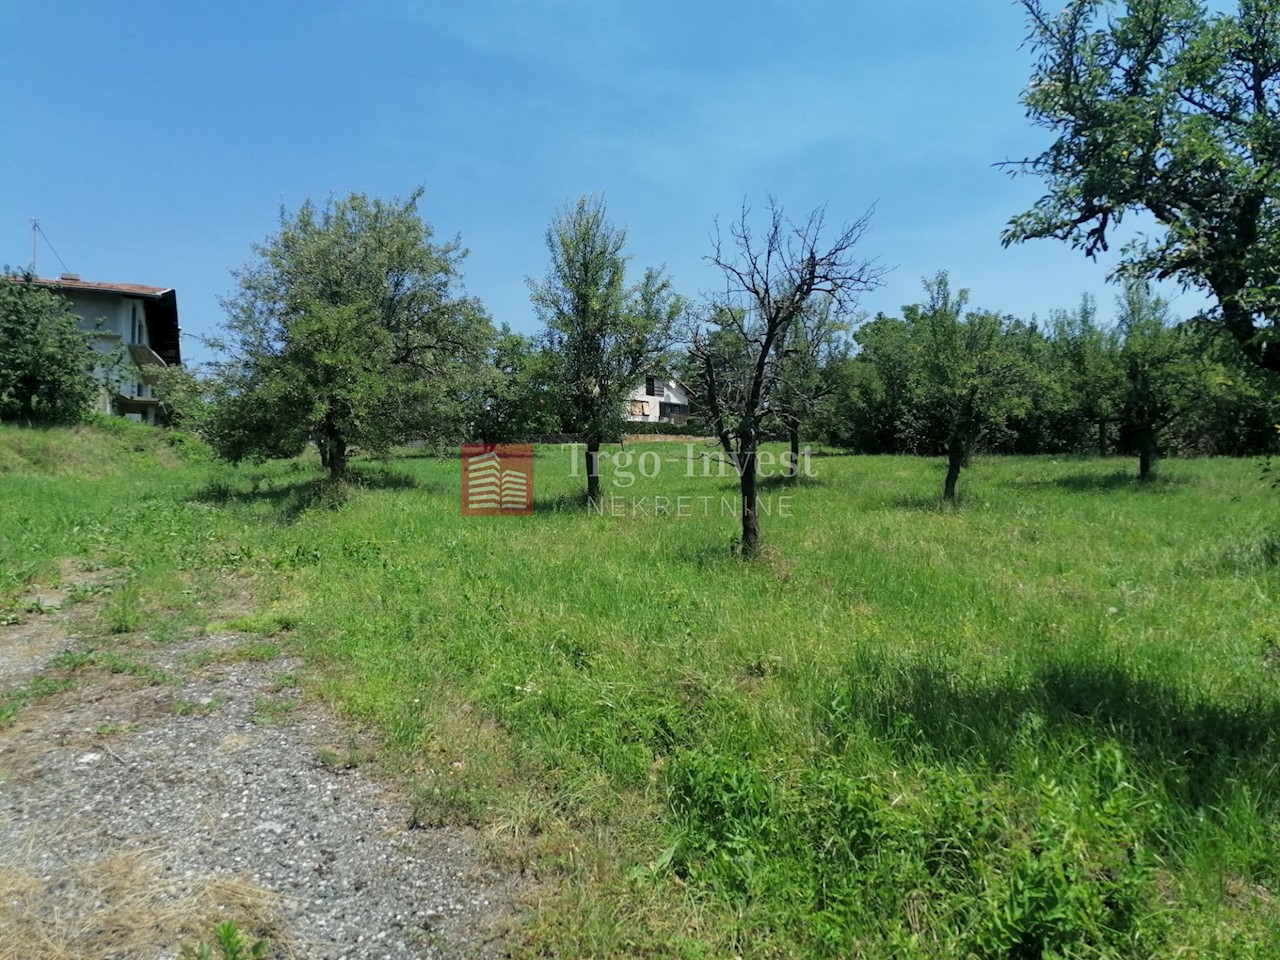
x=806, y=377
x=1086, y=358
x=872, y=396
x=771, y=281
x=1164, y=372
x=47, y=363
x=604, y=335
x=967, y=381
x=348, y=328
x=1162, y=107
x=519, y=400
x=184, y=397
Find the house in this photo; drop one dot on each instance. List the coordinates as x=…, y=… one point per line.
x=658, y=400
x=137, y=323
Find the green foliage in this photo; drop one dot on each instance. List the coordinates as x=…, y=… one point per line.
x=604, y=336
x=228, y=944
x=1165, y=108
x=1074, y=385
x=347, y=329
x=690, y=428
x=965, y=378
x=47, y=362
x=520, y=400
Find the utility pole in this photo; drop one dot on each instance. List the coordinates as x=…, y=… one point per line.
x=35, y=238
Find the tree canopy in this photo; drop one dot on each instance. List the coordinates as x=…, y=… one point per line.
x=47, y=362
x=604, y=335
x=348, y=327
x=1165, y=108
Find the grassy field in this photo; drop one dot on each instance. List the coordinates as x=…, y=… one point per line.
x=1047, y=724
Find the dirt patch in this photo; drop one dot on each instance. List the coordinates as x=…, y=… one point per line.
x=53, y=614
x=136, y=814
x=113, y=906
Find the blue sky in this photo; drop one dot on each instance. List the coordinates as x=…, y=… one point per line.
x=155, y=141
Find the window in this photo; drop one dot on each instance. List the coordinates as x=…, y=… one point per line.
x=651, y=386
x=671, y=410
x=638, y=408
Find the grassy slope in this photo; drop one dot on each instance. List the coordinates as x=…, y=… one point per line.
x=1047, y=721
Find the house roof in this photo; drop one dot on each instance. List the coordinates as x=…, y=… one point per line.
x=134, y=289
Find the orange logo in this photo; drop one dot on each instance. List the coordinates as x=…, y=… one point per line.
x=497, y=479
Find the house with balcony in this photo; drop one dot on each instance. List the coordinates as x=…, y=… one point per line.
x=658, y=399
x=136, y=324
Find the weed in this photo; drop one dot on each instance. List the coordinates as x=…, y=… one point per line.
x=112, y=662
x=267, y=710
x=192, y=708
x=11, y=701
x=228, y=944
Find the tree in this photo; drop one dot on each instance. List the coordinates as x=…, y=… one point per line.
x=1087, y=358
x=1164, y=372
x=347, y=328
x=605, y=336
x=770, y=281
x=47, y=363
x=967, y=379
x=1162, y=107
x=805, y=373
x=518, y=400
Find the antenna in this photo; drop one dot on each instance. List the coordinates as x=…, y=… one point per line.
x=36, y=234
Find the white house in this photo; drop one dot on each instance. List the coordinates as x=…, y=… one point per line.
x=143, y=323
x=658, y=400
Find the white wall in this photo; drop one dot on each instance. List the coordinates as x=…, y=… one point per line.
x=669, y=391
x=111, y=317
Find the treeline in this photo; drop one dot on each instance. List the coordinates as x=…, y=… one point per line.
x=1137, y=382
x=944, y=379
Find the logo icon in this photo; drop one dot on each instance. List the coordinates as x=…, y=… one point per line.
x=497, y=479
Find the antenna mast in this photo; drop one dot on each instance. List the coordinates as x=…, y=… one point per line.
x=35, y=237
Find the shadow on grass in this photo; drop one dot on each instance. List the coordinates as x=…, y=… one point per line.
x=782, y=483
x=290, y=500
x=562, y=503
x=1201, y=750
x=1100, y=482
x=931, y=502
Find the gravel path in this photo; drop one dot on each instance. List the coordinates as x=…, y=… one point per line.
x=211, y=795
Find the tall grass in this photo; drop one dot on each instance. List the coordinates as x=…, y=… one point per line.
x=1044, y=724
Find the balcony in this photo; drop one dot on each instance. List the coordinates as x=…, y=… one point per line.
x=149, y=362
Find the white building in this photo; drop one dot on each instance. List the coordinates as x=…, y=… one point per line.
x=139, y=321
x=658, y=400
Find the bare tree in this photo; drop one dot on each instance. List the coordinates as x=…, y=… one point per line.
x=770, y=281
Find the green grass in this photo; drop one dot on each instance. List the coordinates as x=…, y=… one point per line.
x=1043, y=724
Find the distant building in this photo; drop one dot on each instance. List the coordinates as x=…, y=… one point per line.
x=143, y=323
x=658, y=399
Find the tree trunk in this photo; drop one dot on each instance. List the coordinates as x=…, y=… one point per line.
x=750, y=500
x=793, y=465
x=337, y=458
x=957, y=456
x=593, y=473
x=1102, y=438
x=333, y=450
x=1148, y=454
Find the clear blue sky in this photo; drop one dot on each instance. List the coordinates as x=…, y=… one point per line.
x=155, y=140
